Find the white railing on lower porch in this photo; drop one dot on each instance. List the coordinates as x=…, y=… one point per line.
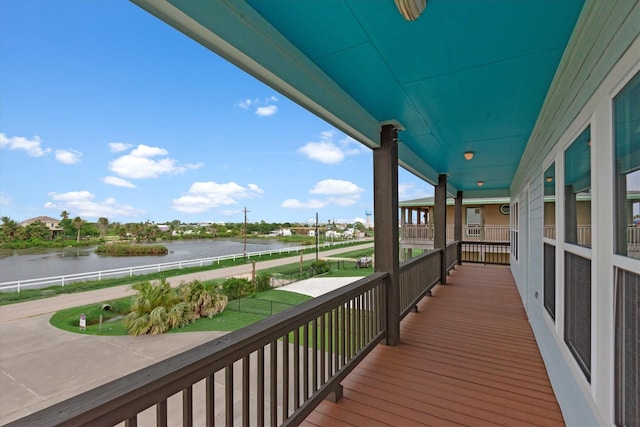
x=425, y=232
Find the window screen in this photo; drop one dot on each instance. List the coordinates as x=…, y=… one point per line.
x=577, y=309
x=627, y=348
x=550, y=279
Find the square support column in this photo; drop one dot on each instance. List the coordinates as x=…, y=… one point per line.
x=386, y=245
x=457, y=226
x=440, y=222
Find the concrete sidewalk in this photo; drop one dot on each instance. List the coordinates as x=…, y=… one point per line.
x=41, y=365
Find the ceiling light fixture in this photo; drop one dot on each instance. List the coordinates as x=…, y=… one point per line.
x=411, y=9
x=468, y=155
x=480, y=183
x=549, y=178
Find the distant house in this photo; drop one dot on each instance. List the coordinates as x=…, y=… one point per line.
x=51, y=223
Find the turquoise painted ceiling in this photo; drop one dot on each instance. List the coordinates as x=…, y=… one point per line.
x=468, y=75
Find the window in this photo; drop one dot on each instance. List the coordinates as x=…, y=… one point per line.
x=550, y=279
x=627, y=363
x=550, y=202
x=577, y=309
x=513, y=221
x=626, y=116
x=577, y=190
x=474, y=221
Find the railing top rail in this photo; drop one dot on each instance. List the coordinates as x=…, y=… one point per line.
x=407, y=264
x=480, y=242
x=141, y=389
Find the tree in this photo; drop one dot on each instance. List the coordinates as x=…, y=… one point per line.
x=104, y=223
x=78, y=223
x=37, y=230
x=64, y=215
x=10, y=229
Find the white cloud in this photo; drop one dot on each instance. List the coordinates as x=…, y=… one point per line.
x=329, y=151
x=146, y=151
x=335, y=187
x=118, y=182
x=254, y=187
x=203, y=196
x=264, y=107
x=266, y=111
x=141, y=164
x=337, y=192
x=407, y=191
x=33, y=147
x=297, y=204
x=68, y=157
x=118, y=147
x=245, y=104
x=4, y=201
x=82, y=204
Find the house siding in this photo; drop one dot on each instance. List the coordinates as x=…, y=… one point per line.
x=603, y=51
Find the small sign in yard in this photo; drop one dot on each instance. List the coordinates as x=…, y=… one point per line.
x=83, y=322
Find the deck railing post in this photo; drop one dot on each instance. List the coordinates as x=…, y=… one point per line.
x=385, y=185
x=440, y=222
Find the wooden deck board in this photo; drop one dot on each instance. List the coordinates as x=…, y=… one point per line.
x=467, y=357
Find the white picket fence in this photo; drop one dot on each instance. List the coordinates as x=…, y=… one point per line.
x=151, y=268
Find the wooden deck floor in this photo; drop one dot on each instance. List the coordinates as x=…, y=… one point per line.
x=468, y=357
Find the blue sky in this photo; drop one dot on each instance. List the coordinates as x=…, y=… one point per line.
x=106, y=111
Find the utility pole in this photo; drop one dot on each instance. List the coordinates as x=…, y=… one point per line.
x=244, y=231
x=317, y=238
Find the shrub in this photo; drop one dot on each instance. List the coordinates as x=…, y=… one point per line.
x=204, y=301
x=236, y=287
x=320, y=266
x=263, y=282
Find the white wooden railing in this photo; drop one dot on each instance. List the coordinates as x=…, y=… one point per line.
x=425, y=232
x=150, y=268
x=419, y=233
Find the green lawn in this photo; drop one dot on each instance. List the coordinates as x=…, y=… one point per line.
x=253, y=309
x=238, y=313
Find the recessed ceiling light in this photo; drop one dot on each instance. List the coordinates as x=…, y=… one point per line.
x=480, y=183
x=468, y=155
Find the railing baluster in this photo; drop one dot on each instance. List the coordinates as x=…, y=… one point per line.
x=314, y=365
x=260, y=387
x=273, y=382
x=246, y=372
x=187, y=407
x=330, y=342
x=296, y=368
x=323, y=350
x=285, y=377
x=228, y=394
x=210, y=401
x=305, y=363
x=161, y=413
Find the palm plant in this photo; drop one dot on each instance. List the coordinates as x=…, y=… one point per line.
x=203, y=301
x=156, y=309
x=78, y=223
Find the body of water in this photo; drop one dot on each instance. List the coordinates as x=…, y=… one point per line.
x=36, y=263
